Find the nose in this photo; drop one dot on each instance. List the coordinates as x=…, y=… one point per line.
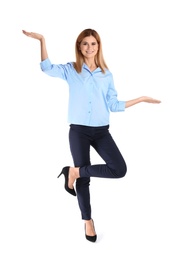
x=89, y=46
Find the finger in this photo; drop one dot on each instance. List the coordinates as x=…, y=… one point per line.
x=26, y=33
x=156, y=101
x=153, y=100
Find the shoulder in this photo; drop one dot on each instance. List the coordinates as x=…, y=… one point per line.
x=108, y=74
x=108, y=71
x=69, y=66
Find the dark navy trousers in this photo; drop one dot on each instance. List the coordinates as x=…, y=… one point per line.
x=81, y=138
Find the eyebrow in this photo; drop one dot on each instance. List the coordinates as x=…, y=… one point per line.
x=88, y=42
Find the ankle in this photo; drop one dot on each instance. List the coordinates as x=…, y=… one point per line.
x=88, y=221
x=75, y=171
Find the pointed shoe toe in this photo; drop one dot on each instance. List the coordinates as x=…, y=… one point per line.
x=91, y=238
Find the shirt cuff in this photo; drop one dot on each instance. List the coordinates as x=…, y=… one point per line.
x=122, y=105
x=45, y=64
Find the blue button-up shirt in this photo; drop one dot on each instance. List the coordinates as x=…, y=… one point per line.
x=92, y=95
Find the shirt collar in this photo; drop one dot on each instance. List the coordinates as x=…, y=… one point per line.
x=84, y=66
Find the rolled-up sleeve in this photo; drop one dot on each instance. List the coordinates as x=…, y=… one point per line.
x=54, y=70
x=113, y=103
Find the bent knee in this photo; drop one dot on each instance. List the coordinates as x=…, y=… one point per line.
x=120, y=173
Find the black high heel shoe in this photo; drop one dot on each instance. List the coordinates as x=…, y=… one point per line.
x=90, y=238
x=65, y=172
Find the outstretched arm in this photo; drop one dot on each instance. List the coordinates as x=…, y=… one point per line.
x=37, y=36
x=135, y=101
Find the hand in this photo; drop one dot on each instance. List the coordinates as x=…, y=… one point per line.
x=150, y=100
x=36, y=36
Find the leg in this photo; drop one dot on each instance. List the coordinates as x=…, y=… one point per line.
x=80, y=140
x=80, y=146
x=115, y=166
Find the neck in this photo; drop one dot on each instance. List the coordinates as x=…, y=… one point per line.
x=91, y=64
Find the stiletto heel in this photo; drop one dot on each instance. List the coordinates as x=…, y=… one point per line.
x=90, y=238
x=65, y=172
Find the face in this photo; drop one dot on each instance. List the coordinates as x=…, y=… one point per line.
x=89, y=47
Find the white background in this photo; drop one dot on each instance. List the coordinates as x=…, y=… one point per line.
x=137, y=217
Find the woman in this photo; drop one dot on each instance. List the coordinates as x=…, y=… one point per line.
x=92, y=96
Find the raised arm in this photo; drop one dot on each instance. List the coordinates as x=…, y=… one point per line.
x=37, y=36
x=135, y=101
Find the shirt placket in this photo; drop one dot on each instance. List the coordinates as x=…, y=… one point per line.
x=90, y=95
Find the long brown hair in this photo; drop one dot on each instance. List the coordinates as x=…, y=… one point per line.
x=99, y=59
